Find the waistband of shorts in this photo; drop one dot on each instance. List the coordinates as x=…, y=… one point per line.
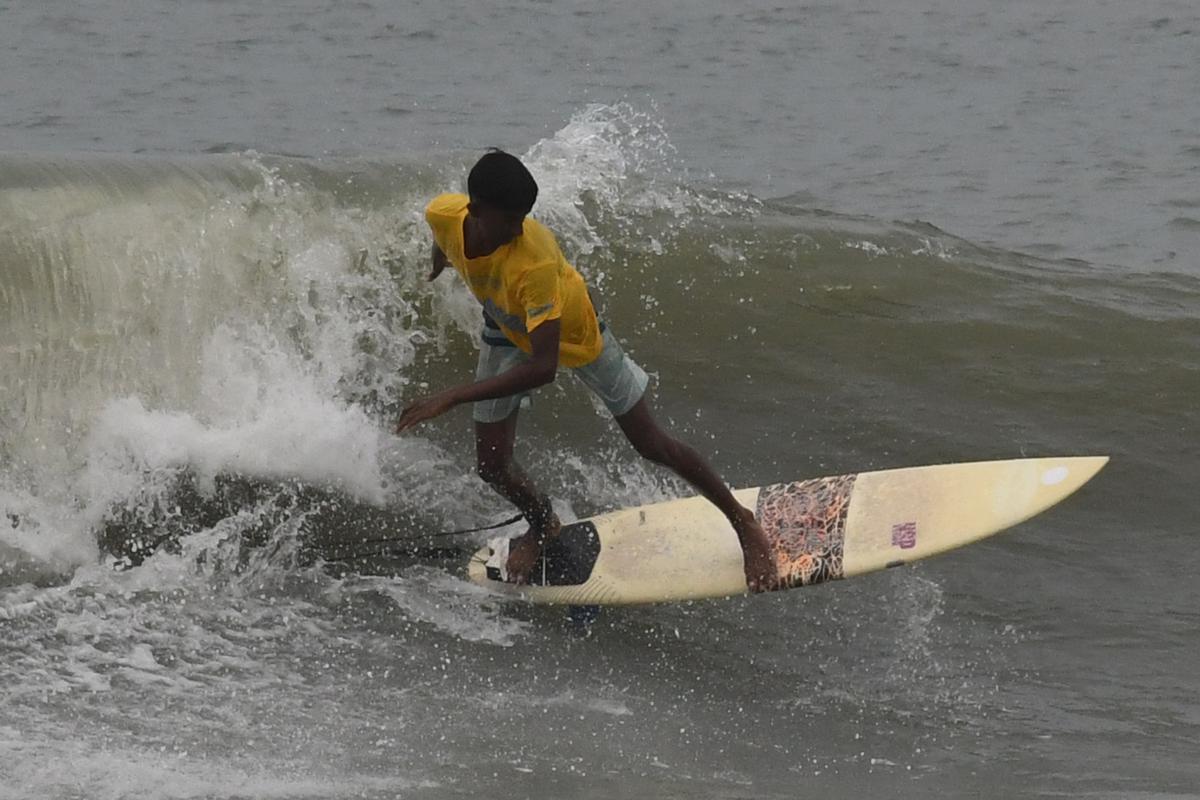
x=492, y=335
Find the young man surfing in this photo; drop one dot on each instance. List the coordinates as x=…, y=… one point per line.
x=538, y=316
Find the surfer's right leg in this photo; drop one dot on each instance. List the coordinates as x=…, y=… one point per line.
x=495, y=434
x=495, y=464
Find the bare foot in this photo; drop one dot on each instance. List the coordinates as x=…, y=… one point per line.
x=762, y=574
x=524, y=550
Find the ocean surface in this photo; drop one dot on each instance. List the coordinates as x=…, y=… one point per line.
x=841, y=236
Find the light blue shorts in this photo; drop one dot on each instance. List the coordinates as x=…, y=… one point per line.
x=613, y=377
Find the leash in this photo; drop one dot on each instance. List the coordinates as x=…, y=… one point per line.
x=437, y=552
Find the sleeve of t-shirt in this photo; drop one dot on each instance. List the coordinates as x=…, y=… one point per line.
x=439, y=220
x=540, y=295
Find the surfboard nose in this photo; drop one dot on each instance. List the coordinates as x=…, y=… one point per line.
x=1070, y=473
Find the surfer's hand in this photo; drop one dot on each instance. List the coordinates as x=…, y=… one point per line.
x=426, y=408
x=439, y=261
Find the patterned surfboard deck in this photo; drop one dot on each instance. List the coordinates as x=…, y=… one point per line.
x=821, y=529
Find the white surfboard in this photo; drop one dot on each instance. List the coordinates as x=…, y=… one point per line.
x=821, y=529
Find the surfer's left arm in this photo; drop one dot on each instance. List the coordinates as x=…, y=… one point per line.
x=540, y=369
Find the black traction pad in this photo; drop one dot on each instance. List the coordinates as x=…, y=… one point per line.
x=566, y=561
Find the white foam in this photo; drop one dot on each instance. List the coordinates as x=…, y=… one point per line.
x=870, y=248
x=238, y=332
x=40, y=534
x=617, y=161
x=453, y=606
x=263, y=413
x=59, y=768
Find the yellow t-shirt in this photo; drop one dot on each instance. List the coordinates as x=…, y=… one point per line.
x=523, y=283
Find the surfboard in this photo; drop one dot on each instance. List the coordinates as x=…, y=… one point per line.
x=821, y=529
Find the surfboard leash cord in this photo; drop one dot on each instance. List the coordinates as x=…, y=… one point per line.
x=396, y=539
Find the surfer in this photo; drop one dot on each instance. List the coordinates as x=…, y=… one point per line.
x=537, y=316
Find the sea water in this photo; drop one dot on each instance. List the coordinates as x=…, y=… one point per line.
x=841, y=237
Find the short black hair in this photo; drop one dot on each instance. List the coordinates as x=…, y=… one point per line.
x=501, y=180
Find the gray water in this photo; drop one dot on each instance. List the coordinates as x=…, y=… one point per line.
x=913, y=233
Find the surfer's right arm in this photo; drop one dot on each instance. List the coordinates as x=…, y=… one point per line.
x=440, y=262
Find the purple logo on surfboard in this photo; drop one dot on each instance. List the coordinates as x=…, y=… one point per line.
x=904, y=535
